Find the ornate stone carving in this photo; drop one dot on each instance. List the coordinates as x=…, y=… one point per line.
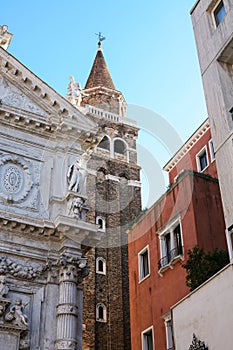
x=74, y=92
x=66, y=344
x=16, y=314
x=24, y=344
x=67, y=309
x=5, y=37
x=15, y=178
x=3, y=291
x=11, y=95
x=3, y=287
x=197, y=344
x=77, y=208
x=7, y=265
x=76, y=176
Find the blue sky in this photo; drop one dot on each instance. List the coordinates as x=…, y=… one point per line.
x=149, y=48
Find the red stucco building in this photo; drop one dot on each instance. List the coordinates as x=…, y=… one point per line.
x=188, y=214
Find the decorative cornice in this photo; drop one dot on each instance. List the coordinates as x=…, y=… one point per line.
x=33, y=227
x=187, y=146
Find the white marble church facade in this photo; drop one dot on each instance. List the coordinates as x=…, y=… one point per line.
x=45, y=143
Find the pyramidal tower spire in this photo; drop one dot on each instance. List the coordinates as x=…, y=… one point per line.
x=100, y=90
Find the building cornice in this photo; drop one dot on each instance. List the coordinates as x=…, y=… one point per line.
x=187, y=146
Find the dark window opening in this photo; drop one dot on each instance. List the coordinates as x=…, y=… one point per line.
x=100, y=223
x=100, y=266
x=119, y=147
x=144, y=264
x=148, y=340
x=219, y=13
x=105, y=144
x=203, y=161
x=101, y=312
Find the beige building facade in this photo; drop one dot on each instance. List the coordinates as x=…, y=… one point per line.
x=213, y=29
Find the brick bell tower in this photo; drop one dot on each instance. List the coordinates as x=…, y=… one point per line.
x=114, y=198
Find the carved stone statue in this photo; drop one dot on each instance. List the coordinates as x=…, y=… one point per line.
x=3, y=287
x=5, y=36
x=76, y=177
x=76, y=207
x=74, y=92
x=16, y=314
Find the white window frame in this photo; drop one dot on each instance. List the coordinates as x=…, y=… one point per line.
x=211, y=149
x=140, y=263
x=213, y=15
x=169, y=331
x=170, y=228
x=198, y=155
x=104, y=266
x=143, y=334
x=103, y=223
x=104, y=319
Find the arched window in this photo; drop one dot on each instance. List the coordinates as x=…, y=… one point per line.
x=101, y=222
x=120, y=147
x=101, y=313
x=104, y=143
x=101, y=266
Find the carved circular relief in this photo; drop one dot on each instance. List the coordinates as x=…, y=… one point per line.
x=15, y=178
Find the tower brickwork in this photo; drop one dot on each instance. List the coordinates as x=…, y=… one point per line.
x=114, y=197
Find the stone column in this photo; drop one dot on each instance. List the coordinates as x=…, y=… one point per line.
x=71, y=272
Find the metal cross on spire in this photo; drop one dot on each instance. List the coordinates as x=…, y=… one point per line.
x=101, y=38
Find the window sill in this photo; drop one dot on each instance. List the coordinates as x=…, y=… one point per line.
x=170, y=264
x=101, y=273
x=144, y=278
x=202, y=170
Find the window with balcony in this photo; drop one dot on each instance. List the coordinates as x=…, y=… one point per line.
x=171, y=246
x=219, y=13
x=148, y=339
x=143, y=263
x=202, y=160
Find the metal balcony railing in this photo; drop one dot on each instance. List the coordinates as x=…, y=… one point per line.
x=164, y=261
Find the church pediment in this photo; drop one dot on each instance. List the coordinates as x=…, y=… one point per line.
x=22, y=89
x=12, y=96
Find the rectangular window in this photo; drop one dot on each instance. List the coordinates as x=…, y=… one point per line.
x=143, y=263
x=171, y=245
x=211, y=148
x=147, y=339
x=202, y=160
x=219, y=13
x=169, y=331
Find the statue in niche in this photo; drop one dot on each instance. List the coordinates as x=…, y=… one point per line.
x=75, y=177
x=16, y=314
x=74, y=92
x=3, y=287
